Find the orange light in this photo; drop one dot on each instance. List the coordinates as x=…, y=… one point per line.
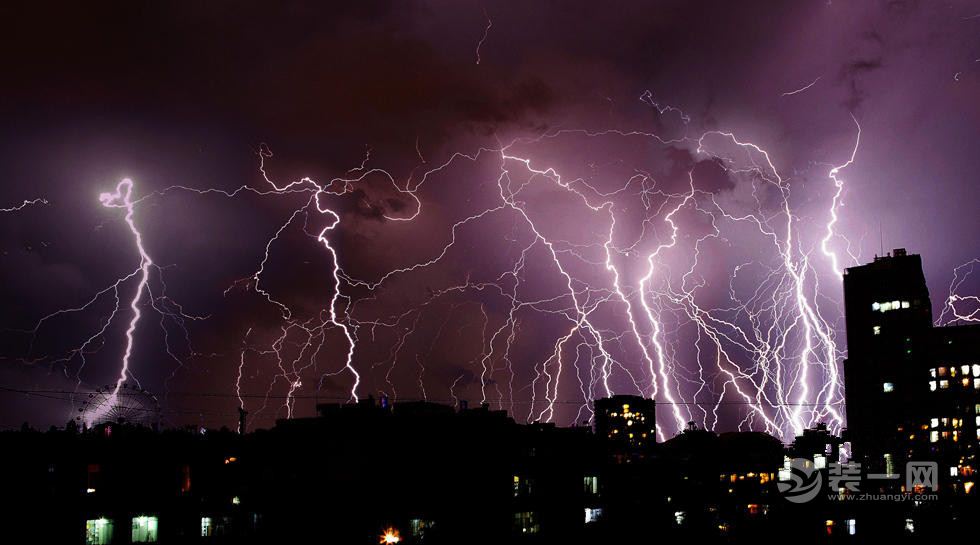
x=390, y=536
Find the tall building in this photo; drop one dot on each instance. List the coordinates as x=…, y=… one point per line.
x=627, y=423
x=886, y=302
x=912, y=389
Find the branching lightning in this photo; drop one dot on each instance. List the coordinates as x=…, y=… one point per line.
x=25, y=204
x=632, y=308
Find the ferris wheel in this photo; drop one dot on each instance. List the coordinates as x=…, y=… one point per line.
x=127, y=404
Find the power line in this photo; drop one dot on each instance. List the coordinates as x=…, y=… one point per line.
x=224, y=395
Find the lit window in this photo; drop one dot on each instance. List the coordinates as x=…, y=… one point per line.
x=680, y=517
x=966, y=383
x=942, y=371
x=592, y=514
x=875, y=306
x=934, y=422
x=905, y=304
x=522, y=486
x=910, y=526
x=876, y=329
x=965, y=369
x=819, y=461
x=526, y=522
x=207, y=527
x=591, y=484
x=932, y=386
x=888, y=387
x=896, y=305
x=932, y=372
x=953, y=470
x=943, y=384
x=934, y=437
x=976, y=383
x=976, y=370
x=419, y=526
x=851, y=527
x=144, y=529
x=98, y=531
x=886, y=306
x=185, y=479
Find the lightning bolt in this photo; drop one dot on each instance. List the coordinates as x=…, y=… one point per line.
x=629, y=296
x=25, y=204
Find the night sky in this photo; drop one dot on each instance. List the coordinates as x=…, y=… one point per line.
x=536, y=203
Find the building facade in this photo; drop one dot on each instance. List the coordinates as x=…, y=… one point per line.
x=912, y=388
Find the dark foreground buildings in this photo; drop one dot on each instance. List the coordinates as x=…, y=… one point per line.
x=913, y=390
x=427, y=473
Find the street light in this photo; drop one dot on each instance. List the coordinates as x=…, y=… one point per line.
x=390, y=536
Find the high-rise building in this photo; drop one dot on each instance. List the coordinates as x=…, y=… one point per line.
x=912, y=389
x=627, y=422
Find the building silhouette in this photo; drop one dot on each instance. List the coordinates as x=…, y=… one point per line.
x=912, y=389
x=415, y=472
x=627, y=424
